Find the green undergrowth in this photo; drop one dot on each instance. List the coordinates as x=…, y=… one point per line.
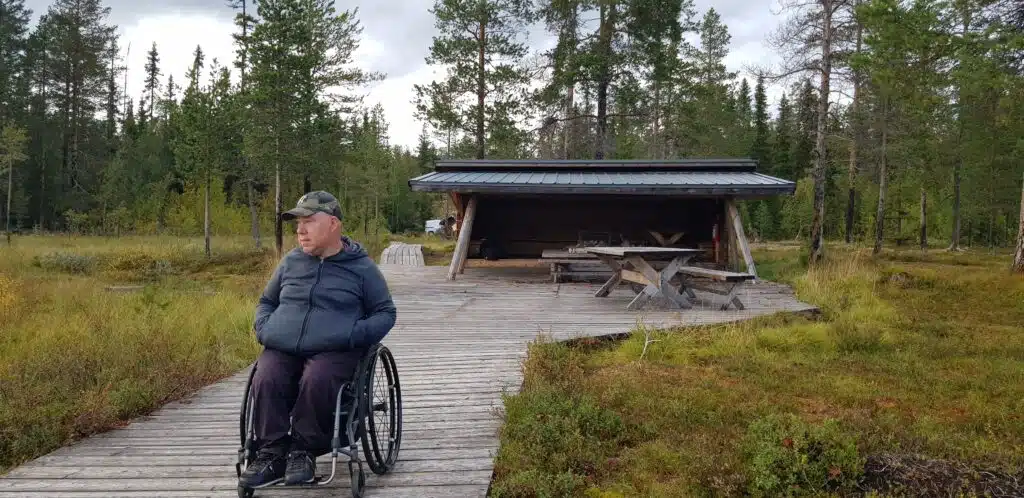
x=912, y=354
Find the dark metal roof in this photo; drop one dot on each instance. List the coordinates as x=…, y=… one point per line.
x=659, y=182
x=702, y=164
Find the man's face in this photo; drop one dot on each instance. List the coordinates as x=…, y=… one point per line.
x=317, y=232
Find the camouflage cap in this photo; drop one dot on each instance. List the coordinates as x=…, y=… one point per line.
x=312, y=203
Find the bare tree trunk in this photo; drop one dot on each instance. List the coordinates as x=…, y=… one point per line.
x=570, y=105
x=278, y=229
x=481, y=89
x=954, y=244
x=604, y=77
x=10, y=193
x=882, y=180
x=254, y=218
x=567, y=124
x=818, y=173
x=254, y=215
x=924, y=219
x=655, y=150
x=1018, y=257
x=855, y=120
x=206, y=212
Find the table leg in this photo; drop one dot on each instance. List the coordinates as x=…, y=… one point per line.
x=615, y=278
x=660, y=280
x=642, y=297
x=666, y=286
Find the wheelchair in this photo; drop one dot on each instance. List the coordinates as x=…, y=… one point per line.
x=369, y=406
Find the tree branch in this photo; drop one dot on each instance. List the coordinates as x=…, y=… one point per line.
x=551, y=120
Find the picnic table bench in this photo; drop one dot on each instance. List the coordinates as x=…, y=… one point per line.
x=733, y=281
x=573, y=264
x=637, y=265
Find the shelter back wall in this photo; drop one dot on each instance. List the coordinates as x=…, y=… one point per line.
x=525, y=226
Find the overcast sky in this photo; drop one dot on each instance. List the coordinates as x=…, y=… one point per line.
x=396, y=37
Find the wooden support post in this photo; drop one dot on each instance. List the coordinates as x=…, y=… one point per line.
x=736, y=226
x=462, y=246
x=725, y=241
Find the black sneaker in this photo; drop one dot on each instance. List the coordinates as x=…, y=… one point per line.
x=268, y=468
x=301, y=468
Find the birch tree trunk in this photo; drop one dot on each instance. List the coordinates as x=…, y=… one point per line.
x=10, y=192
x=818, y=173
x=1018, y=257
x=206, y=211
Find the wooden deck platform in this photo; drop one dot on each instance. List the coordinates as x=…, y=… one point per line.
x=458, y=346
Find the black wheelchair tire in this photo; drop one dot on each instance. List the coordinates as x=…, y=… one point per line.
x=382, y=460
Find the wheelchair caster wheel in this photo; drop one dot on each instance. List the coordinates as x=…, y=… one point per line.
x=358, y=479
x=244, y=492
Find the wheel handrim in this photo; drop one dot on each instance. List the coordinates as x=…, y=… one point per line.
x=383, y=416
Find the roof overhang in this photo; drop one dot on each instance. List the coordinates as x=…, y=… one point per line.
x=680, y=178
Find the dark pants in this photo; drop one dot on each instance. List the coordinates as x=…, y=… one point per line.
x=304, y=389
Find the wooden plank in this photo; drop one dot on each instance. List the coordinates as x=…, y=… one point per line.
x=438, y=491
x=462, y=245
x=187, y=467
x=741, y=239
x=720, y=275
x=549, y=254
x=644, y=251
x=229, y=482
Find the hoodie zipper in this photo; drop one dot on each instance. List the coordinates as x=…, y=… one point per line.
x=310, y=310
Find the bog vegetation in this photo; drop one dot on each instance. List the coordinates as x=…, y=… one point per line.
x=910, y=382
x=97, y=330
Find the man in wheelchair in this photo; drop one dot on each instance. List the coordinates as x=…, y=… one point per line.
x=324, y=306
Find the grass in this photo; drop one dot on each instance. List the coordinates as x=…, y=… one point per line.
x=95, y=331
x=913, y=354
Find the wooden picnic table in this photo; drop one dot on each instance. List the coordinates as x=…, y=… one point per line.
x=633, y=264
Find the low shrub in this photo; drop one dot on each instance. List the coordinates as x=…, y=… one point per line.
x=786, y=456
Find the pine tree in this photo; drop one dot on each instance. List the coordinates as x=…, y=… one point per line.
x=480, y=43
x=152, y=82
x=77, y=40
x=760, y=150
x=14, y=19
x=299, y=51
x=711, y=108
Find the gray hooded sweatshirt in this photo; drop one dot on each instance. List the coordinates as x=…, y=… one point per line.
x=311, y=305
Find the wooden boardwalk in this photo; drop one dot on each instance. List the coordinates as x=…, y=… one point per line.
x=400, y=253
x=458, y=346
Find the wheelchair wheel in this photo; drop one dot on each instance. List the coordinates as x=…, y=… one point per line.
x=382, y=412
x=246, y=449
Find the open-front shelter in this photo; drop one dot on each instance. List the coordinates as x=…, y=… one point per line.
x=520, y=208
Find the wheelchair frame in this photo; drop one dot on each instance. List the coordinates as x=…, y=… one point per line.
x=359, y=420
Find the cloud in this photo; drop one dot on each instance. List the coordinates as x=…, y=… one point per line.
x=176, y=36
